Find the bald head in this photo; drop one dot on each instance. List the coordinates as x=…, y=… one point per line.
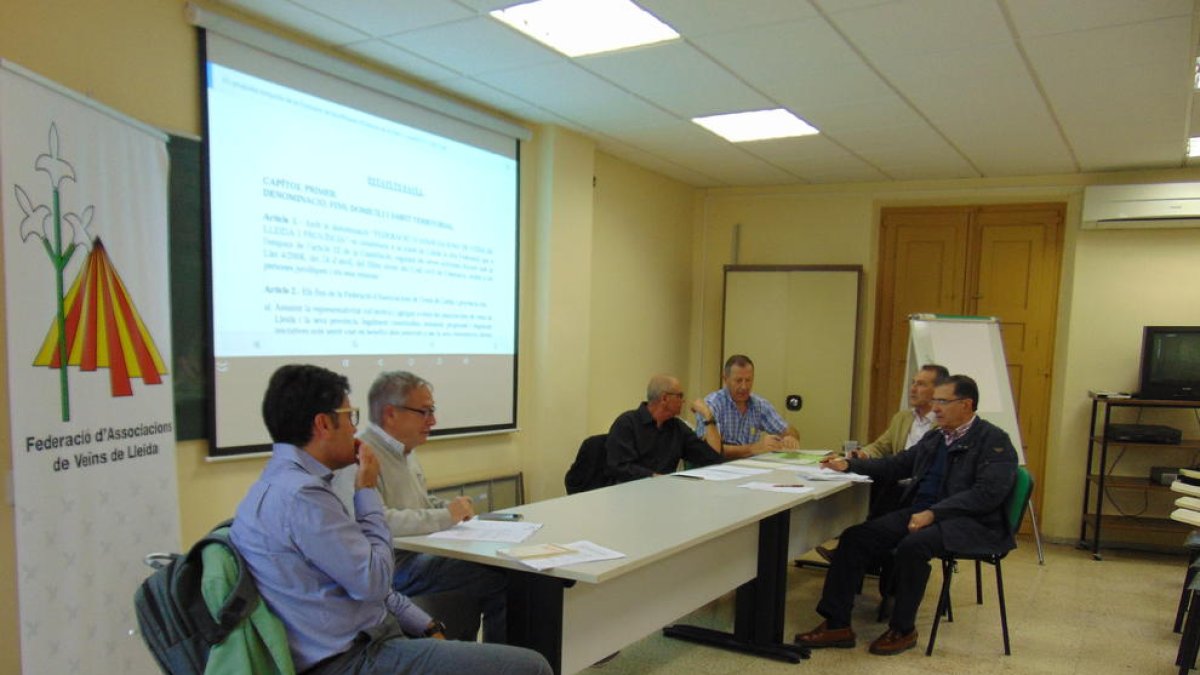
x=664, y=397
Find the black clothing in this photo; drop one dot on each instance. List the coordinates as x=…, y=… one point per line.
x=981, y=468
x=588, y=471
x=979, y=472
x=637, y=447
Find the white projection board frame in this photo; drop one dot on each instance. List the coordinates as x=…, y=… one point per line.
x=967, y=345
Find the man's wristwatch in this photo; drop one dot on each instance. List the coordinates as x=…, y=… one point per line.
x=434, y=628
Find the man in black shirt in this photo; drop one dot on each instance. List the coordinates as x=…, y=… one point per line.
x=651, y=439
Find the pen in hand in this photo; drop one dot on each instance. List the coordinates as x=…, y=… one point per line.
x=793, y=485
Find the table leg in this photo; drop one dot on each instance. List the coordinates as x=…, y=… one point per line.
x=535, y=611
x=759, y=613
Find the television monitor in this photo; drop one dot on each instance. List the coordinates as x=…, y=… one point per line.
x=1170, y=363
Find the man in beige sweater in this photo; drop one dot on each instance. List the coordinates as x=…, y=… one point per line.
x=908, y=426
x=402, y=413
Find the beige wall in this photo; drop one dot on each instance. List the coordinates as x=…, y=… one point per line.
x=1113, y=283
x=139, y=56
x=585, y=348
x=641, y=287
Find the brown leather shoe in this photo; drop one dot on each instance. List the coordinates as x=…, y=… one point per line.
x=824, y=636
x=893, y=642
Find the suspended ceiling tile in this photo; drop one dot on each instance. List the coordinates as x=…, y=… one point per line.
x=985, y=103
x=773, y=51
x=503, y=101
x=655, y=163
x=845, y=84
x=486, y=6
x=1121, y=92
x=302, y=20
x=575, y=94
x=671, y=135
x=402, y=60
x=918, y=26
x=385, y=17
x=475, y=46
x=885, y=112
x=815, y=158
x=677, y=77
x=701, y=17
x=1038, y=17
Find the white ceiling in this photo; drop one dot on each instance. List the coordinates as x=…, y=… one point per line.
x=900, y=89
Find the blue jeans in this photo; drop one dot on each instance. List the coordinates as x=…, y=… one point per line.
x=424, y=574
x=384, y=650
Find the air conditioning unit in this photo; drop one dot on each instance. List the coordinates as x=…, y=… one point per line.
x=1116, y=207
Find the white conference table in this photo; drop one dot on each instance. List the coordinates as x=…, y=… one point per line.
x=686, y=542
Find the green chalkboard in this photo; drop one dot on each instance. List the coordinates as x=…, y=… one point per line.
x=189, y=313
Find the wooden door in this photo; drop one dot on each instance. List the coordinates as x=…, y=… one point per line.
x=1001, y=261
x=924, y=259
x=1016, y=279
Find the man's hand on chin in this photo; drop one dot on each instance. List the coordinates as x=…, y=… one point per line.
x=368, y=468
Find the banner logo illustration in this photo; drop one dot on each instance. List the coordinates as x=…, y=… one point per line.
x=96, y=324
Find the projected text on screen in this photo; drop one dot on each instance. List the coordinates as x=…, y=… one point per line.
x=348, y=239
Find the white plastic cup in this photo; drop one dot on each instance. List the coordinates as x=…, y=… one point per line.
x=849, y=447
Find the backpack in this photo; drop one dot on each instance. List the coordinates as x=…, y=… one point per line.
x=171, y=613
x=588, y=470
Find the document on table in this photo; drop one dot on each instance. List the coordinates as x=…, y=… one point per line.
x=721, y=472
x=574, y=553
x=789, y=488
x=754, y=464
x=488, y=530
x=821, y=473
x=803, y=457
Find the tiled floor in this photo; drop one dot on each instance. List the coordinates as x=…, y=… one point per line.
x=1071, y=615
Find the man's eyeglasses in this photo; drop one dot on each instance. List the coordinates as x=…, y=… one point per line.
x=675, y=393
x=427, y=413
x=945, y=401
x=353, y=412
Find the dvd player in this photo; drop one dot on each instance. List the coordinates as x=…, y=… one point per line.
x=1143, y=433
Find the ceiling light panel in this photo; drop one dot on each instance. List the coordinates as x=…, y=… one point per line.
x=756, y=125
x=579, y=28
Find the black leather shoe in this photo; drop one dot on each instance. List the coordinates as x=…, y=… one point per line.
x=824, y=636
x=825, y=553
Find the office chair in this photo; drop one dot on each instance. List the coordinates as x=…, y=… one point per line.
x=1014, y=508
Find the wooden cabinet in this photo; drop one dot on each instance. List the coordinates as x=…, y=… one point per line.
x=1097, y=480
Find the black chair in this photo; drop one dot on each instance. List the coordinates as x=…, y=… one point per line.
x=1192, y=544
x=1189, y=642
x=1014, y=509
x=587, y=471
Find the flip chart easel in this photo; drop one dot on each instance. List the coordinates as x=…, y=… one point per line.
x=970, y=345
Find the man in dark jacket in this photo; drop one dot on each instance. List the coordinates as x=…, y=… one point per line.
x=961, y=474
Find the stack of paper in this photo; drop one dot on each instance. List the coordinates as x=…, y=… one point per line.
x=821, y=473
x=788, y=488
x=802, y=457
x=488, y=530
x=546, y=556
x=1184, y=488
x=720, y=472
x=1189, y=506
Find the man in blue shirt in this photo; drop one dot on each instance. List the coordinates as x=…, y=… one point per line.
x=961, y=475
x=326, y=574
x=749, y=424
